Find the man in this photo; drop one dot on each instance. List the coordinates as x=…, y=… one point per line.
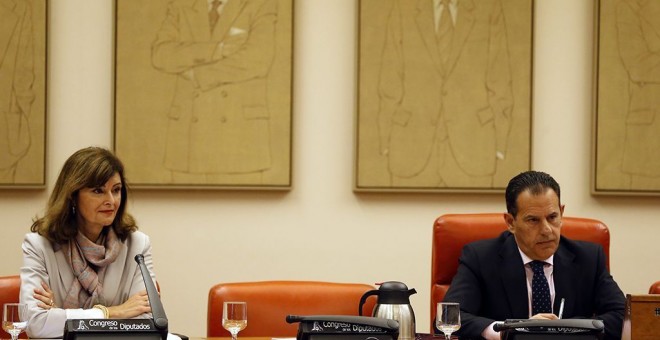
x=16, y=82
x=445, y=92
x=221, y=52
x=495, y=279
x=638, y=35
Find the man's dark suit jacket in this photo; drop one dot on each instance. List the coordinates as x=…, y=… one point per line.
x=491, y=286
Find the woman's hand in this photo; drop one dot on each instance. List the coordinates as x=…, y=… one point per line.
x=136, y=305
x=44, y=296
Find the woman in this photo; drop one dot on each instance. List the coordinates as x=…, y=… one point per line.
x=78, y=262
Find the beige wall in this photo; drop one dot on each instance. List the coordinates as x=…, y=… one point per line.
x=321, y=230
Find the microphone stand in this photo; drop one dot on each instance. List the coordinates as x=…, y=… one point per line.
x=157, y=310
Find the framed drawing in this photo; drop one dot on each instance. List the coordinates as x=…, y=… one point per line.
x=23, y=40
x=203, y=93
x=627, y=98
x=444, y=94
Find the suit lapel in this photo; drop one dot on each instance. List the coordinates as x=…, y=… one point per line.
x=7, y=26
x=66, y=275
x=229, y=14
x=513, y=279
x=648, y=16
x=564, y=274
x=197, y=18
x=464, y=24
x=426, y=27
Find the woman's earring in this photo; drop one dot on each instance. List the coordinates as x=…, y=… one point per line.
x=73, y=209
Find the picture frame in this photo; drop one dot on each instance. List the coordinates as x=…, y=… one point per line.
x=203, y=108
x=433, y=121
x=626, y=126
x=23, y=73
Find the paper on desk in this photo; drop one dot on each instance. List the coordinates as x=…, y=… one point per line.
x=171, y=336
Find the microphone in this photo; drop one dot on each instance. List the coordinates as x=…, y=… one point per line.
x=294, y=318
x=157, y=310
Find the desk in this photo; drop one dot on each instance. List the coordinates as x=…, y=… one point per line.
x=642, y=319
x=419, y=336
x=193, y=338
x=239, y=338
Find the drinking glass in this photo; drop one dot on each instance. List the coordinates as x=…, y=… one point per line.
x=13, y=319
x=234, y=317
x=448, y=318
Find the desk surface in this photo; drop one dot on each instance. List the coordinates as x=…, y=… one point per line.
x=239, y=338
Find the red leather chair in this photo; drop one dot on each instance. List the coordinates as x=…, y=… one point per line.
x=655, y=288
x=269, y=302
x=10, y=289
x=451, y=232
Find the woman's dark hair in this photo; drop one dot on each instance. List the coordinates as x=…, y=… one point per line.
x=87, y=168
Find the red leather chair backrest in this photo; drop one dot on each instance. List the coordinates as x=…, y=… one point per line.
x=10, y=289
x=451, y=232
x=655, y=288
x=269, y=302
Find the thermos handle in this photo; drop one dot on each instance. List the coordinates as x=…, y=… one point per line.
x=363, y=299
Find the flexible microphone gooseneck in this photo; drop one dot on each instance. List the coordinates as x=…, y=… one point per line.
x=157, y=310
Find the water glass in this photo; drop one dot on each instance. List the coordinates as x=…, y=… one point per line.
x=448, y=318
x=234, y=317
x=14, y=319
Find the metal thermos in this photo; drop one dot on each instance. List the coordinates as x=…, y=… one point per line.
x=394, y=303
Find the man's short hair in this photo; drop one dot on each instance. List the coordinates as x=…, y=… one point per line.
x=536, y=182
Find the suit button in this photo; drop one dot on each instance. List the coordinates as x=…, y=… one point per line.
x=223, y=119
x=223, y=94
x=195, y=120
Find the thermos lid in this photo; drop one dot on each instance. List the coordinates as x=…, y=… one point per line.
x=394, y=292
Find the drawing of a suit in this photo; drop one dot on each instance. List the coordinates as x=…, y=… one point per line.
x=462, y=104
x=638, y=31
x=218, y=119
x=16, y=81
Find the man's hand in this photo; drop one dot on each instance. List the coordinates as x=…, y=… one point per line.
x=547, y=316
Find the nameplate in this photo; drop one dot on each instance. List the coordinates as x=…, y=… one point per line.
x=80, y=329
x=344, y=327
x=339, y=327
x=342, y=336
x=540, y=329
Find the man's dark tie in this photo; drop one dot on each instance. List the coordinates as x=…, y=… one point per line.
x=445, y=32
x=540, y=289
x=213, y=14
